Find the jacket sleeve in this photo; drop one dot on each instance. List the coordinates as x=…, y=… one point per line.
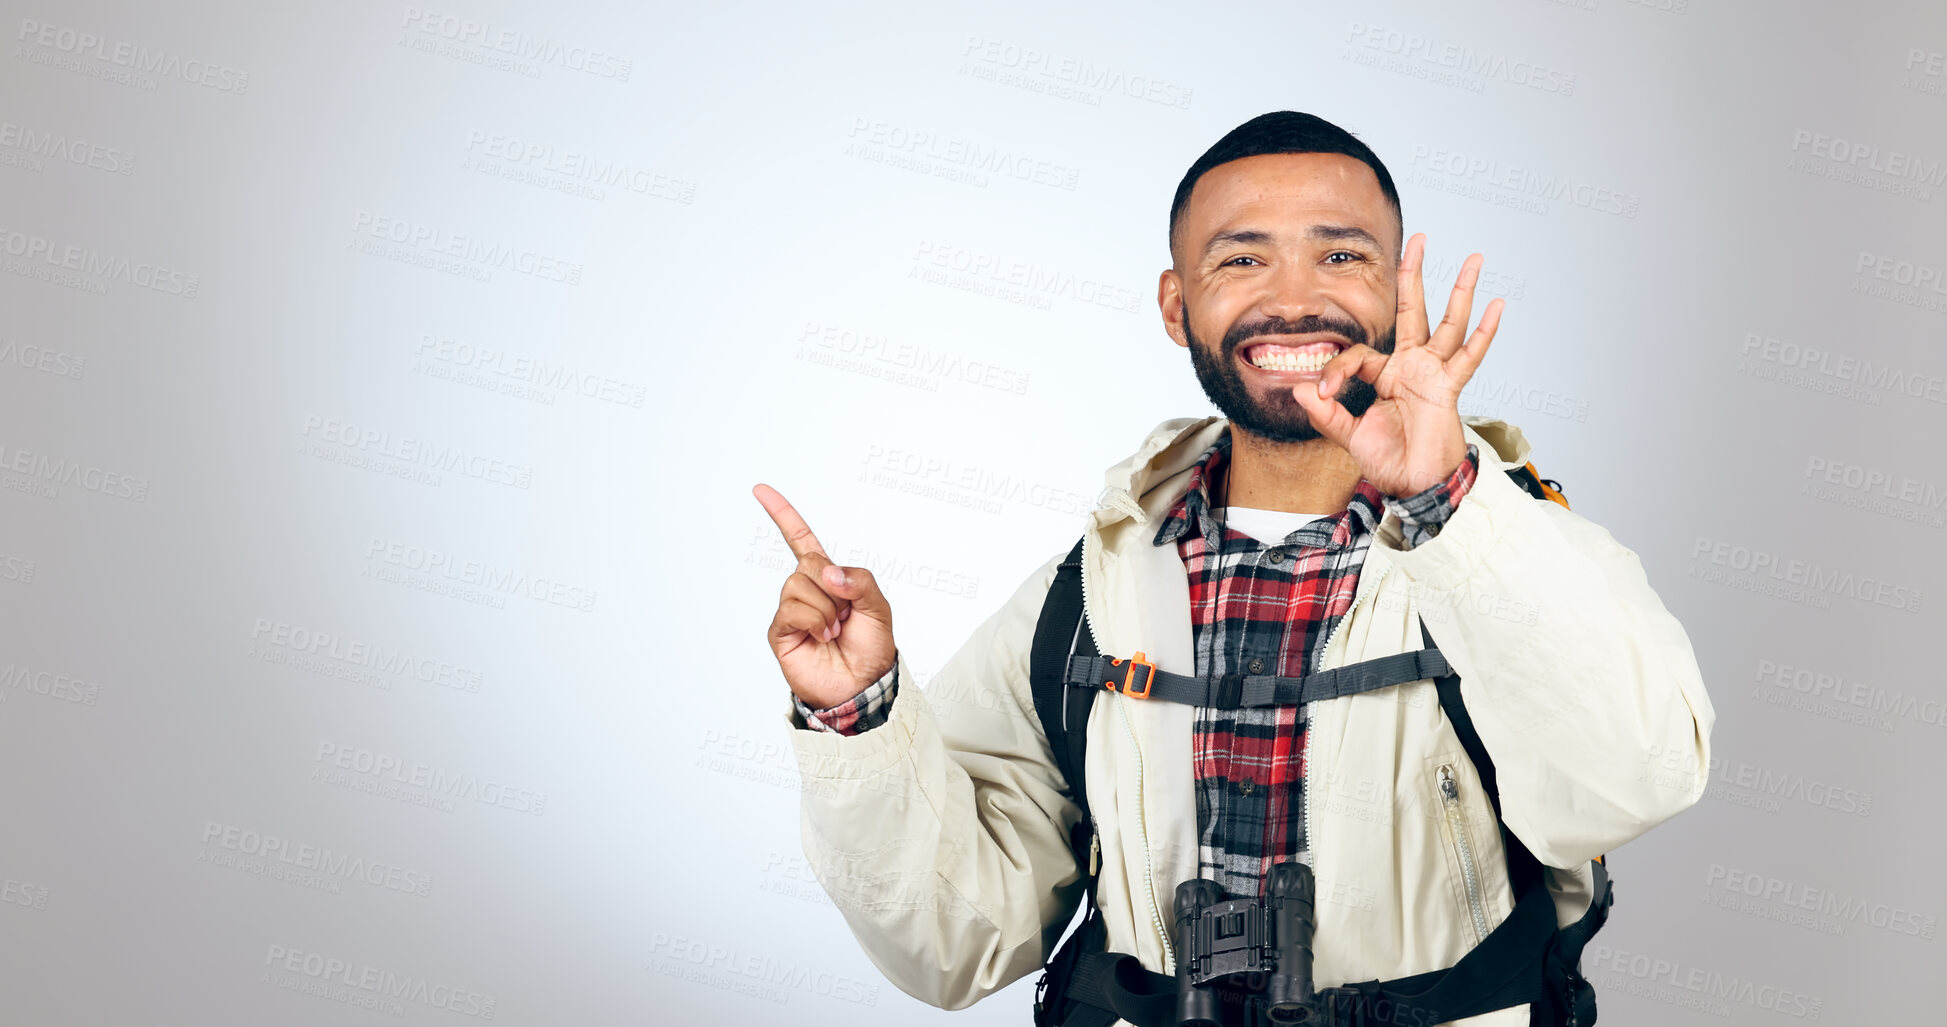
x=1584, y=688
x=941, y=835
x=860, y=713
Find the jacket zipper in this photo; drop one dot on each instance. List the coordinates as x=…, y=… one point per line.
x=1142, y=815
x=1450, y=798
x=1305, y=797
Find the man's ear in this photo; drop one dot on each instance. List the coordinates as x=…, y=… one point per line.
x=1169, y=300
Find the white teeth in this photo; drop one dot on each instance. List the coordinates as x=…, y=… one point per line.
x=1284, y=360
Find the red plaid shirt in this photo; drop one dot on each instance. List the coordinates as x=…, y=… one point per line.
x=1269, y=610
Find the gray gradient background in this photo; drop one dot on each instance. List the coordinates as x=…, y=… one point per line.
x=618, y=841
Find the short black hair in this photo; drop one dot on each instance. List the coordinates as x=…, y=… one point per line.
x=1281, y=132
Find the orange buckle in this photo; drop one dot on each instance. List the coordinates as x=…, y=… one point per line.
x=1129, y=676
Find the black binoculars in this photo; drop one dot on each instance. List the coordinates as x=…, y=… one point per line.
x=1219, y=939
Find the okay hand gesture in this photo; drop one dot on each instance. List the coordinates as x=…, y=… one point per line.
x=1410, y=438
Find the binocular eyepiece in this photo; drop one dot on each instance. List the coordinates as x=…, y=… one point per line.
x=1218, y=938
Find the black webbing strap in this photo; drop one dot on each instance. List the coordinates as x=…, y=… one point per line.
x=1063, y=712
x=1508, y=968
x=1054, y=1004
x=1238, y=691
x=1117, y=982
x=1064, y=715
x=1524, y=870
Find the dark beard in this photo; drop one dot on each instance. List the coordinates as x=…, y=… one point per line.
x=1280, y=418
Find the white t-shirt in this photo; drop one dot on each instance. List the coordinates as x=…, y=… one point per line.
x=1267, y=526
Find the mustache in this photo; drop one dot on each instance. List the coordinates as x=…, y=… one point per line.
x=1240, y=334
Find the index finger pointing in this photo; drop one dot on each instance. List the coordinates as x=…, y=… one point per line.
x=797, y=534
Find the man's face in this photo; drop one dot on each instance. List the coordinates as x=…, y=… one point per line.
x=1284, y=260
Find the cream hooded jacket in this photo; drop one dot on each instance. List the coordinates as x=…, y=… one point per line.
x=941, y=834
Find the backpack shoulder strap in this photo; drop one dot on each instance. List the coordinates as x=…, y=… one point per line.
x=1523, y=869
x=1537, y=486
x=1062, y=630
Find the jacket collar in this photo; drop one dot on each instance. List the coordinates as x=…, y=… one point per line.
x=1145, y=485
x=1192, y=511
x=1135, y=591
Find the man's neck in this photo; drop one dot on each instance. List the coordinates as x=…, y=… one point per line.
x=1315, y=476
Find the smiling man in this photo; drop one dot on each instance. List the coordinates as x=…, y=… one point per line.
x=1329, y=716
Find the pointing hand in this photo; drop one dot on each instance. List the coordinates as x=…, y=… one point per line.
x=833, y=631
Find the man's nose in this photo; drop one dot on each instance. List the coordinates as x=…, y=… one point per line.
x=1292, y=292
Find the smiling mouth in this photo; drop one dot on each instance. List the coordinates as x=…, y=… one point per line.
x=1272, y=356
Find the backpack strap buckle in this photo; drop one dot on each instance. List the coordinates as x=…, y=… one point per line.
x=1128, y=685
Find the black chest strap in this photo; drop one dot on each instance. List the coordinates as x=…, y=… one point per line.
x=1523, y=960
x=1139, y=679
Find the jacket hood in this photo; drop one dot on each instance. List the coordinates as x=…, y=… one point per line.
x=1147, y=482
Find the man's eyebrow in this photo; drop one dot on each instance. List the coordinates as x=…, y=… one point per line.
x=1255, y=236
x=1325, y=232
x=1248, y=236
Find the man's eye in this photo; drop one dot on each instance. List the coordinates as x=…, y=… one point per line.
x=1234, y=260
x=1342, y=253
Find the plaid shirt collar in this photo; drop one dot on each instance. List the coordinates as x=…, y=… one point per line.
x=1362, y=514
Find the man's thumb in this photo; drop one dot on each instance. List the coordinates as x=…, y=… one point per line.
x=1328, y=417
x=857, y=585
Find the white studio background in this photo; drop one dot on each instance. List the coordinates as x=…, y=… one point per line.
x=382, y=387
